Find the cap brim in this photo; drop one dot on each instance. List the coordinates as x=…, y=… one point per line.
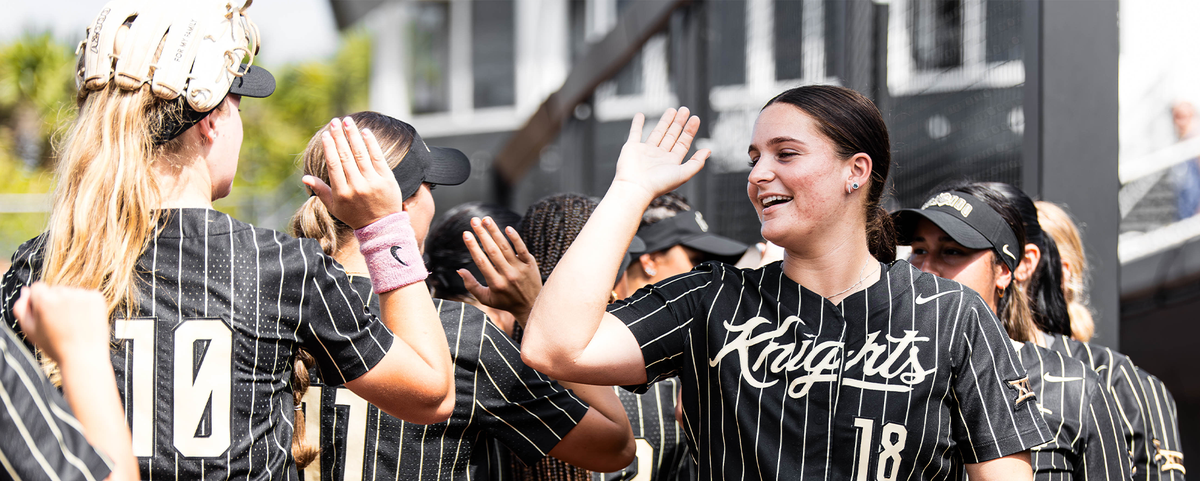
x=716, y=245
x=962, y=233
x=447, y=167
x=255, y=82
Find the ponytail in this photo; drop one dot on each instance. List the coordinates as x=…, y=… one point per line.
x=1013, y=310
x=303, y=452
x=881, y=234
x=313, y=221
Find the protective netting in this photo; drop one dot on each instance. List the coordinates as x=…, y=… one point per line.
x=950, y=87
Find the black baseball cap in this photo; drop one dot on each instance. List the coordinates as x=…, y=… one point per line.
x=967, y=220
x=254, y=82
x=689, y=229
x=436, y=165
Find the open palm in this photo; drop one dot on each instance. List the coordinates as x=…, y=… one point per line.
x=656, y=165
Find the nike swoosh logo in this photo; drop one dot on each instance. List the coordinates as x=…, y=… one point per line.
x=922, y=299
x=1005, y=249
x=1053, y=378
x=396, y=249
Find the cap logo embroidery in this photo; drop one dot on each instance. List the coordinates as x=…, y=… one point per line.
x=700, y=220
x=945, y=198
x=1006, y=252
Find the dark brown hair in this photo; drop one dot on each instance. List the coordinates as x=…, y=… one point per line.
x=550, y=226
x=854, y=125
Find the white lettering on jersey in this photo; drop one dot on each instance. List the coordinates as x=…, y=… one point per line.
x=822, y=361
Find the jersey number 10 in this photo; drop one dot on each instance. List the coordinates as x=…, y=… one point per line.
x=200, y=382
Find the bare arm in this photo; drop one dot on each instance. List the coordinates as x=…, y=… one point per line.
x=1014, y=467
x=570, y=336
x=603, y=440
x=70, y=326
x=414, y=381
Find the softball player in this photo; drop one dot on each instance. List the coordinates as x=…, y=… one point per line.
x=966, y=235
x=549, y=227
x=208, y=311
x=1140, y=421
x=498, y=396
x=829, y=365
x=44, y=439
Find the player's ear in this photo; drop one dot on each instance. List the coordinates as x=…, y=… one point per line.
x=1029, y=262
x=649, y=264
x=1002, y=275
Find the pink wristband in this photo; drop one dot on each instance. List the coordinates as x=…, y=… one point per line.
x=390, y=247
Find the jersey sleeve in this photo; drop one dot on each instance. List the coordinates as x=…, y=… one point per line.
x=521, y=407
x=25, y=264
x=997, y=410
x=1105, y=454
x=660, y=317
x=1162, y=420
x=335, y=326
x=42, y=439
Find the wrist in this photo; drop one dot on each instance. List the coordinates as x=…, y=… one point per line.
x=393, y=258
x=630, y=193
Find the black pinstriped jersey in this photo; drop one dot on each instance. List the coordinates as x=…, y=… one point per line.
x=1088, y=442
x=662, y=452
x=1125, y=379
x=1162, y=417
x=907, y=379
x=41, y=438
x=497, y=396
x=204, y=365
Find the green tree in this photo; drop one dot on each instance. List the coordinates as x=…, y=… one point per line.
x=37, y=103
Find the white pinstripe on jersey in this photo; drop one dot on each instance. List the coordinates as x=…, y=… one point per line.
x=41, y=438
x=234, y=302
x=497, y=397
x=1088, y=443
x=914, y=373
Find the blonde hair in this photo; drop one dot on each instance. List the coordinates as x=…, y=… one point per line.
x=105, y=209
x=313, y=220
x=105, y=206
x=1058, y=223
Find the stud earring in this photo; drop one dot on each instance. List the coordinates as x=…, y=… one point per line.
x=651, y=272
x=854, y=186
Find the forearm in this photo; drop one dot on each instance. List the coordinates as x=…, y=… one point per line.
x=411, y=316
x=603, y=440
x=1014, y=467
x=567, y=313
x=90, y=388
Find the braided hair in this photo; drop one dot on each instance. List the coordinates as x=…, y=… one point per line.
x=551, y=225
x=664, y=207
x=447, y=253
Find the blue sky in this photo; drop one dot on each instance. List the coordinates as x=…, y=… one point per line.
x=292, y=30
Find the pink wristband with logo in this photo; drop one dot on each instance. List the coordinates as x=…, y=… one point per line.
x=390, y=247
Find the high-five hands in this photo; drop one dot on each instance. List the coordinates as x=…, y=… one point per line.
x=511, y=272
x=656, y=165
x=362, y=188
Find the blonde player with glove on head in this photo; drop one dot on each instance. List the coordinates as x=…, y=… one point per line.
x=207, y=312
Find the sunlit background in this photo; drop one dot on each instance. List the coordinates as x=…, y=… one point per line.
x=966, y=86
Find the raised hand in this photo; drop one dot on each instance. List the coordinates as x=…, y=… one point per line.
x=63, y=321
x=511, y=272
x=656, y=165
x=361, y=187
